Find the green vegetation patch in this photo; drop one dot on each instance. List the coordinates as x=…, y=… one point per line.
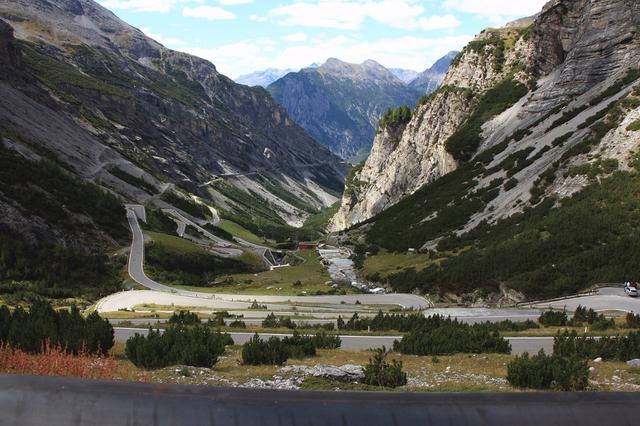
x=176, y=260
x=466, y=140
x=189, y=206
x=548, y=372
x=634, y=126
x=34, y=330
x=395, y=117
x=59, y=75
x=545, y=252
x=136, y=181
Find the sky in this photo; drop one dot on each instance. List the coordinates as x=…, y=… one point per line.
x=243, y=36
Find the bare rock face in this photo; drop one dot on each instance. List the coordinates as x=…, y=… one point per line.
x=9, y=52
x=581, y=43
x=401, y=164
x=571, y=48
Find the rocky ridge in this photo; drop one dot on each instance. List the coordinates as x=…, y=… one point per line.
x=340, y=103
x=569, y=56
x=99, y=95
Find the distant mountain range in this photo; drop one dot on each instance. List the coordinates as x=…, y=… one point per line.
x=429, y=80
x=407, y=76
x=340, y=103
x=263, y=78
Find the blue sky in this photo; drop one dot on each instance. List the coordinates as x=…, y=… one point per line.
x=241, y=36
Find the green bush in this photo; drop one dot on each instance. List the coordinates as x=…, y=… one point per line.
x=548, y=372
x=184, y=318
x=41, y=324
x=276, y=351
x=597, y=321
x=196, y=346
x=620, y=348
x=632, y=320
x=324, y=340
x=553, y=318
x=634, y=126
x=264, y=352
x=380, y=373
x=510, y=184
x=237, y=324
x=272, y=321
x=394, y=117
x=466, y=140
x=443, y=336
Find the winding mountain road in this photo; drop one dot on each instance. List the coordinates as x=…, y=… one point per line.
x=161, y=294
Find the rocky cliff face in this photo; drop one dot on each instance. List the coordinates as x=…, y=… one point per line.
x=421, y=156
x=339, y=103
x=102, y=96
x=572, y=49
x=9, y=53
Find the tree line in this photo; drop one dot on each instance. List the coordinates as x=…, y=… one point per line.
x=31, y=330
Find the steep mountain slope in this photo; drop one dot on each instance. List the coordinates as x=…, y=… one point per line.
x=521, y=168
x=429, y=80
x=164, y=116
x=262, y=78
x=88, y=103
x=339, y=103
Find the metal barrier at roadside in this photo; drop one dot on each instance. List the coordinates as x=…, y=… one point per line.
x=31, y=401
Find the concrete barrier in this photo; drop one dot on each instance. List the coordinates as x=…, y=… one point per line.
x=31, y=401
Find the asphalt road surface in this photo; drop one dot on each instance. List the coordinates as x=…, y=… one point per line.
x=607, y=299
x=519, y=345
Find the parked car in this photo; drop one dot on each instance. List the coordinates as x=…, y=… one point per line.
x=631, y=289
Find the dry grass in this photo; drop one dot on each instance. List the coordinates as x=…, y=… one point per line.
x=452, y=373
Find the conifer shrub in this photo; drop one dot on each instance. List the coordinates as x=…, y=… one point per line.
x=272, y=321
x=68, y=330
x=615, y=348
x=395, y=116
x=548, y=372
x=443, y=336
x=195, y=346
x=381, y=373
x=276, y=351
x=184, y=318
x=237, y=324
x=553, y=318
x=632, y=320
x=264, y=352
x=598, y=322
x=324, y=340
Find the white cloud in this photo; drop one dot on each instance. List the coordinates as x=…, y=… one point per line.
x=438, y=22
x=297, y=37
x=497, y=10
x=351, y=14
x=167, y=41
x=145, y=5
x=417, y=53
x=211, y=13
